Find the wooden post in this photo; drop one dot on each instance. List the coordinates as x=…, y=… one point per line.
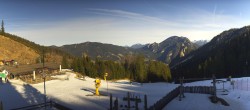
x=237, y=83
x=128, y=100
x=223, y=86
x=233, y=83
x=116, y=104
x=1, y=105
x=50, y=103
x=214, y=87
x=60, y=68
x=180, y=91
x=136, y=103
x=241, y=84
x=145, y=102
x=111, y=102
x=182, y=87
x=34, y=75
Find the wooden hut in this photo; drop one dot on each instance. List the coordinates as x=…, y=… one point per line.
x=33, y=73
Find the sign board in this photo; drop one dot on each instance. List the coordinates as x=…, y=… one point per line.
x=3, y=75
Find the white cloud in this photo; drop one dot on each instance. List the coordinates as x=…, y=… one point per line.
x=132, y=15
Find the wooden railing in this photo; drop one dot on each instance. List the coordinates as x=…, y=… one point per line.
x=159, y=105
x=49, y=104
x=199, y=89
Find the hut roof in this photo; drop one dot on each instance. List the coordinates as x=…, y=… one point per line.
x=25, y=69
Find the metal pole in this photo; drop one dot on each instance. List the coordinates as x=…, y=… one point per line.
x=111, y=103
x=180, y=91
x=43, y=58
x=136, y=103
x=236, y=84
x=214, y=87
x=128, y=100
x=247, y=84
x=145, y=102
x=240, y=84
x=107, y=87
x=223, y=87
x=44, y=93
x=44, y=76
x=116, y=103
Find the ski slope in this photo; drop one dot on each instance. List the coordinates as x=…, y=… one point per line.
x=77, y=94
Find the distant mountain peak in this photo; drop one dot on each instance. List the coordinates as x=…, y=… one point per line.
x=137, y=46
x=200, y=43
x=171, y=47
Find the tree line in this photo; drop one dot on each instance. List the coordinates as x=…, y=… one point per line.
x=135, y=68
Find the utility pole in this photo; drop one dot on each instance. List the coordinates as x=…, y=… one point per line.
x=44, y=76
x=105, y=78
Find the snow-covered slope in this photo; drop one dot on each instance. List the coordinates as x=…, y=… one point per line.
x=78, y=94
x=237, y=97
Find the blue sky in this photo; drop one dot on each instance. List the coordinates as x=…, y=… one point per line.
x=121, y=22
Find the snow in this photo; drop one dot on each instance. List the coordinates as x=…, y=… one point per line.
x=194, y=102
x=18, y=94
x=77, y=94
x=237, y=97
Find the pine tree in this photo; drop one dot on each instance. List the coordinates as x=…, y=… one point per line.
x=74, y=65
x=2, y=27
x=80, y=65
x=65, y=63
x=140, y=69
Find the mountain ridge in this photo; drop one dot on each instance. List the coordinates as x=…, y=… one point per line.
x=115, y=52
x=226, y=54
x=171, y=48
x=97, y=49
x=27, y=52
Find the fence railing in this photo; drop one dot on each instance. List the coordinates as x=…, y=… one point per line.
x=241, y=84
x=199, y=89
x=49, y=104
x=159, y=105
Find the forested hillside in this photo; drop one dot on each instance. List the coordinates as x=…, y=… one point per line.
x=164, y=51
x=134, y=68
x=25, y=52
x=131, y=65
x=12, y=50
x=225, y=55
x=95, y=49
